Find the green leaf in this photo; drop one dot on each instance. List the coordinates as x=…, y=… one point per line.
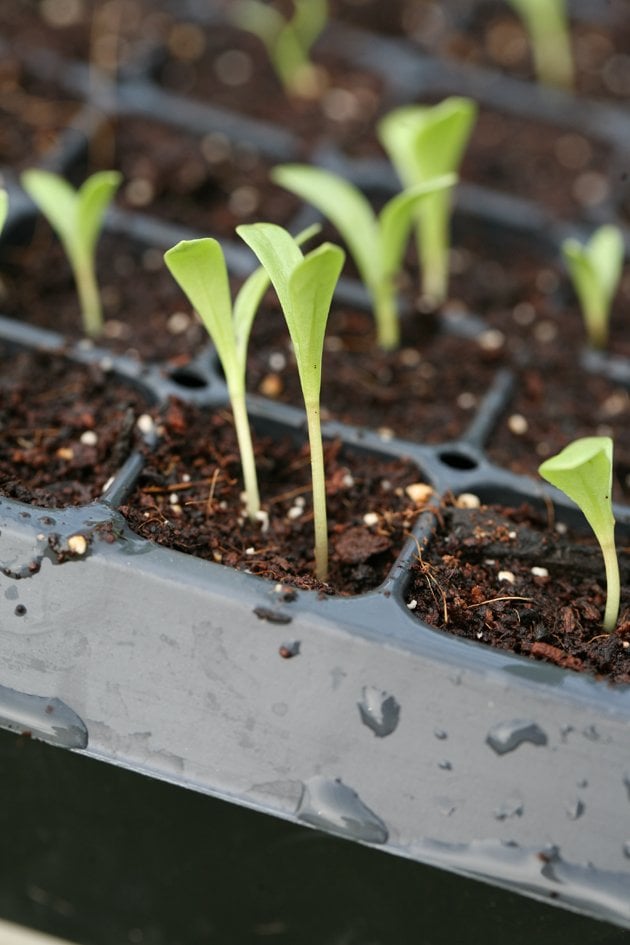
x=595, y=269
x=311, y=287
x=309, y=20
x=4, y=208
x=583, y=471
x=345, y=207
x=398, y=215
x=423, y=141
x=278, y=252
x=257, y=18
x=93, y=199
x=198, y=266
x=56, y=199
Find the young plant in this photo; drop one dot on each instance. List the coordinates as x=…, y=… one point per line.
x=595, y=268
x=583, y=471
x=424, y=142
x=77, y=218
x=198, y=266
x=377, y=244
x=287, y=41
x=546, y=24
x=305, y=286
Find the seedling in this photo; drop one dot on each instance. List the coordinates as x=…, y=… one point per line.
x=305, y=286
x=377, y=244
x=595, y=269
x=583, y=471
x=546, y=24
x=198, y=266
x=4, y=208
x=287, y=41
x=77, y=218
x=424, y=142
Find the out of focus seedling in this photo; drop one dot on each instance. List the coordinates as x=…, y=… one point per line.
x=304, y=285
x=288, y=41
x=377, y=244
x=77, y=218
x=4, y=207
x=595, y=269
x=546, y=23
x=424, y=142
x=583, y=471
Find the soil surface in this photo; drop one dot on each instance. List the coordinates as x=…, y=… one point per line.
x=189, y=498
x=508, y=578
x=66, y=428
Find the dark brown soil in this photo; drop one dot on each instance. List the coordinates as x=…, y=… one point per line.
x=32, y=116
x=232, y=70
x=189, y=498
x=202, y=182
x=66, y=428
x=474, y=579
x=139, y=297
x=427, y=390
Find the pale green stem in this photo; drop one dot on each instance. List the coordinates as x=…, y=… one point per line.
x=319, y=490
x=89, y=296
x=596, y=328
x=432, y=237
x=386, y=314
x=551, y=44
x=613, y=583
x=246, y=449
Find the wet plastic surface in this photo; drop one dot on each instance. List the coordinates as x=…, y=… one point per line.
x=380, y=729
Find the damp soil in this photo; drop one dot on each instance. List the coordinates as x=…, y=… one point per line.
x=203, y=182
x=189, y=498
x=66, y=428
x=474, y=579
x=145, y=313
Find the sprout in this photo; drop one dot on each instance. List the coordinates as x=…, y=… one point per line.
x=595, y=269
x=423, y=142
x=4, y=207
x=305, y=286
x=77, y=218
x=377, y=244
x=583, y=471
x=198, y=266
x=546, y=23
x=287, y=41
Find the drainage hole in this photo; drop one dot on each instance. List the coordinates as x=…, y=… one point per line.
x=457, y=460
x=189, y=378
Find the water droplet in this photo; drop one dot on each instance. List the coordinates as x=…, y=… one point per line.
x=440, y=733
x=379, y=711
x=506, y=736
x=582, y=783
x=626, y=849
x=626, y=782
x=574, y=809
x=446, y=806
x=513, y=806
x=332, y=805
x=591, y=733
x=280, y=709
x=49, y=720
x=445, y=765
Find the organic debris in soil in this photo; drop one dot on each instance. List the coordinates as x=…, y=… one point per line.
x=189, y=498
x=507, y=578
x=66, y=428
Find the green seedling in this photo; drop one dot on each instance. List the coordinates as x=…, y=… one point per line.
x=288, y=41
x=304, y=285
x=547, y=26
x=4, y=208
x=595, y=268
x=377, y=244
x=424, y=142
x=198, y=266
x=77, y=218
x=583, y=471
